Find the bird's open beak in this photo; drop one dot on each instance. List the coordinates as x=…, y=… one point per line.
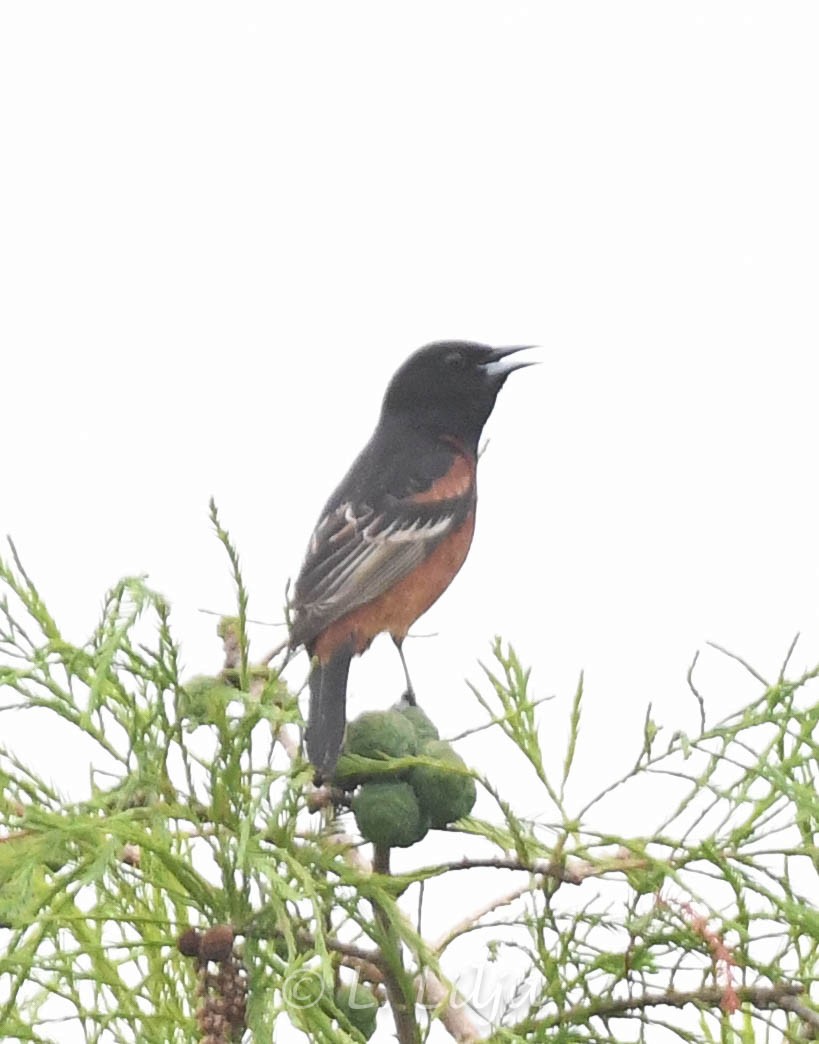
x=499, y=363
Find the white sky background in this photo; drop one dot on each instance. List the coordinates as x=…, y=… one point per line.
x=223, y=227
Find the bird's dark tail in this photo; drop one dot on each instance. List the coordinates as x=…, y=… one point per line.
x=327, y=716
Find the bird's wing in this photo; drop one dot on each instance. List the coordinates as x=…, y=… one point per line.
x=358, y=552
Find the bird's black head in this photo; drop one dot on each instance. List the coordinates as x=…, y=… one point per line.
x=450, y=387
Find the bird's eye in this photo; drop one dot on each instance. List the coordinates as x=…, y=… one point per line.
x=454, y=359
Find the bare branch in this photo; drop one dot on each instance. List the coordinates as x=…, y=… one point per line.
x=787, y=659
x=470, y=922
x=690, y=679
x=574, y=873
x=784, y=996
x=733, y=656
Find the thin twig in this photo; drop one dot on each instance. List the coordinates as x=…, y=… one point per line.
x=358, y=953
x=274, y=652
x=733, y=656
x=477, y=915
x=574, y=874
x=787, y=659
x=231, y=645
x=494, y=720
x=693, y=688
x=568, y=875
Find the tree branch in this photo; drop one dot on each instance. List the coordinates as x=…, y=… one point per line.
x=453, y=1017
x=401, y=1001
x=443, y=997
x=575, y=873
x=784, y=996
x=470, y=922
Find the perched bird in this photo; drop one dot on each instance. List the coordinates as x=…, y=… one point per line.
x=398, y=528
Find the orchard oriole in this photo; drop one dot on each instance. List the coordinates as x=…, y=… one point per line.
x=398, y=527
